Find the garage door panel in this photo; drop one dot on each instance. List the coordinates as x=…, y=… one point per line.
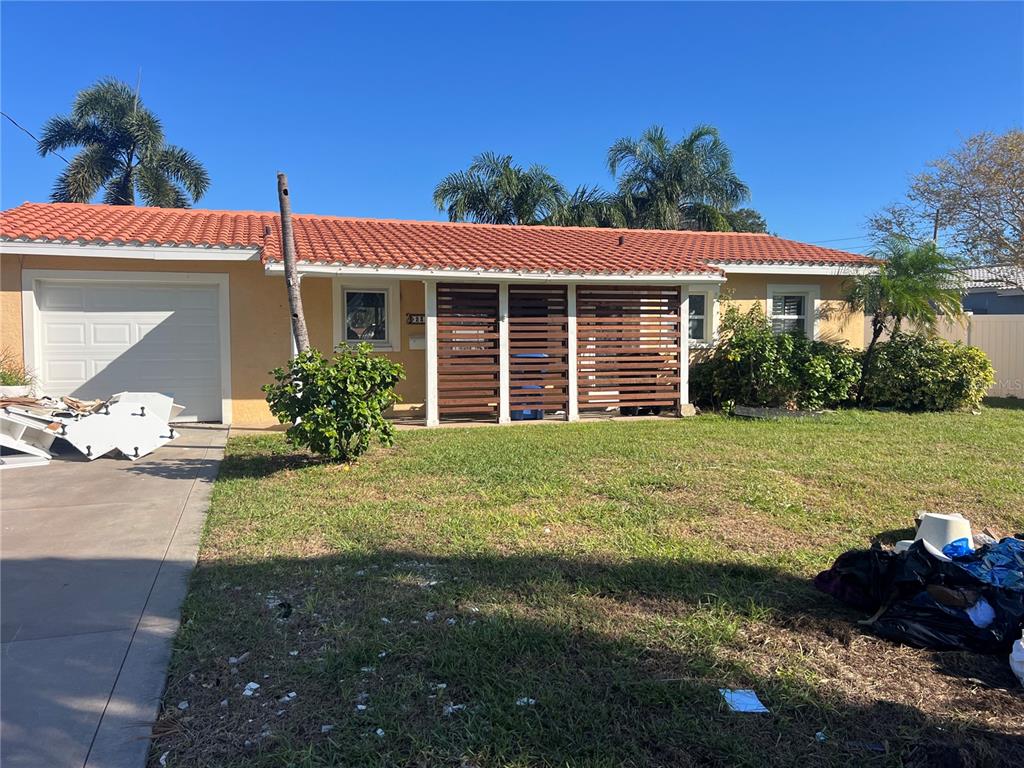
x=60, y=297
x=100, y=338
x=111, y=333
x=55, y=333
x=65, y=372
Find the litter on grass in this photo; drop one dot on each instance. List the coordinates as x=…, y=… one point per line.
x=525, y=701
x=742, y=700
x=250, y=689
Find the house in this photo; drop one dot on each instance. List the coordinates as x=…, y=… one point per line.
x=996, y=290
x=489, y=321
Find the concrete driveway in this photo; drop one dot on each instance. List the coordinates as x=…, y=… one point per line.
x=95, y=563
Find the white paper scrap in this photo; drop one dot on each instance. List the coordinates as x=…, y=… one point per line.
x=743, y=700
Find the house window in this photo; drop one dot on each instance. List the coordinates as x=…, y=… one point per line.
x=366, y=317
x=789, y=312
x=698, y=317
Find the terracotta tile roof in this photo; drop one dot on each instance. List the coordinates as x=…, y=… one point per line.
x=414, y=244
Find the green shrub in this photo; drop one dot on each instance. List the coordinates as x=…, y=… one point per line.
x=336, y=407
x=12, y=372
x=914, y=372
x=752, y=365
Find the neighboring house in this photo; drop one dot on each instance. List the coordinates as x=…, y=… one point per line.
x=488, y=320
x=994, y=290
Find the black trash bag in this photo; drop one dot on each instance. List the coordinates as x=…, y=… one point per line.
x=923, y=622
x=871, y=579
x=861, y=578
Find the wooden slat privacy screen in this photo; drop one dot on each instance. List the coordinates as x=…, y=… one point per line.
x=467, y=350
x=538, y=324
x=628, y=346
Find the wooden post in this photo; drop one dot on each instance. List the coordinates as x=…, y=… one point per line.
x=684, y=347
x=433, y=412
x=299, y=333
x=504, y=361
x=573, y=411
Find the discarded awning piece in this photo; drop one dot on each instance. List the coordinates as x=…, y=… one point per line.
x=134, y=423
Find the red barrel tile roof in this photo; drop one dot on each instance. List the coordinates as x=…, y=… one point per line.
x=415, y=244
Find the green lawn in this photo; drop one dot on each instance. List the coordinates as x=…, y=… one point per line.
x=577, y=594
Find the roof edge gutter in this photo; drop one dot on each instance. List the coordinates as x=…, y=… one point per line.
x=415, y=273
x=835, y=270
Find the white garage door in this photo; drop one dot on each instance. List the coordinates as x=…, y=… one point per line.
x=98, y=338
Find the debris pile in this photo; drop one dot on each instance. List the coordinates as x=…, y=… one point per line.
x=132, y=423
x=937, y=592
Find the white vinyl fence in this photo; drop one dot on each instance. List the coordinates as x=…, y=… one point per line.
x=1001, y=337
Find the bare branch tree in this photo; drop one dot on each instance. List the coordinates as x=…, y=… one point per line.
x=976, y=195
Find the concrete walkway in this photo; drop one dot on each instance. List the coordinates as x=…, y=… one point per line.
x=95, y=563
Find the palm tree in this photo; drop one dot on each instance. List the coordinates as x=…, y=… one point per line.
x=672, y=186
x=912, y=282
x=123, y=151
x=495, y=190
x=588, y=207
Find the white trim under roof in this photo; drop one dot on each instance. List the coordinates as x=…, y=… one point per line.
x=768, y=268
x=155, y=252
x=417, y=273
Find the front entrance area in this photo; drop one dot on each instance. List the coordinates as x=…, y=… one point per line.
x=105, y=333
x=526, y=351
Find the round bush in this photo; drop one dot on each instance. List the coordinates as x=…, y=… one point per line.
x=914, y=372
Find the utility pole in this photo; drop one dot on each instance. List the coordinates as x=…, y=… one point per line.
x=291, y=274
x=935, y=229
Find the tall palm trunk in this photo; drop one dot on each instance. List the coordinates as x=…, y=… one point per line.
x=877, y=328
x=291, y=276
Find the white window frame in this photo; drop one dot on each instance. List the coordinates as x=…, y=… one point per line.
x=708, y=336
x=711, y=295
x=812, y=302
x=392, y=309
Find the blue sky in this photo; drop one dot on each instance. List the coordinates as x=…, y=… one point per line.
x=827, y=107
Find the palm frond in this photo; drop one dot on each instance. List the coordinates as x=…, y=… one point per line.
x=62, y=132
x=85, y=175
x=158, y=190
x=181, y=167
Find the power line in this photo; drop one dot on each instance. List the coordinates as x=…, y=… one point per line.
x=22, y=128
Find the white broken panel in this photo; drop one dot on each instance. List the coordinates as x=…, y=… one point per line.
x=153, y=403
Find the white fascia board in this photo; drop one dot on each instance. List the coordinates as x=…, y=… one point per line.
x=792, y=269
x=116, y=251
x=411, y=273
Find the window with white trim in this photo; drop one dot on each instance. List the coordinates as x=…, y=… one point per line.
x=698, y=320
x=366, y=317
x=789, y=312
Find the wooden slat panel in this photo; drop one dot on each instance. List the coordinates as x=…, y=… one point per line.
x=538, y=324
x=467, y=353
x=628, y=346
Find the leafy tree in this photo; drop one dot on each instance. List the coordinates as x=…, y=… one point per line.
x=746, y=220
x=123, y=152
x=912, y=282
x=666, y=185
x=495, y=190
x=973, y=199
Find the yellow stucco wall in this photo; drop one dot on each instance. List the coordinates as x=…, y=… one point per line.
x=834, y=324
x=260, y=328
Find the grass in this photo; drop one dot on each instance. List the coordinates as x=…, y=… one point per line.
x=577, y=594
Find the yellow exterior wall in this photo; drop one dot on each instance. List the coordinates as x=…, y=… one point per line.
x=835, y=323
x=260, y=326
